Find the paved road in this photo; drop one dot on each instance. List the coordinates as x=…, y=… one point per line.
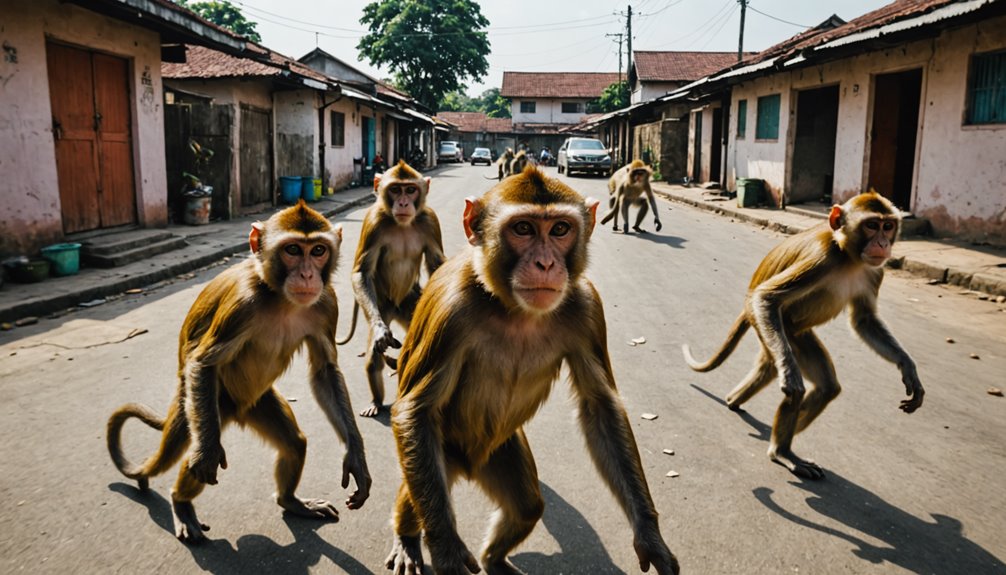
x=904, y=494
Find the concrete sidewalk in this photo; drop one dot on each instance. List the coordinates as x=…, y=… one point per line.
x=973, y=267
x=978, y=268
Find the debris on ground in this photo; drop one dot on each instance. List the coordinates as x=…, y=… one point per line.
x=669, y=452
x=994, y=391
x=950, y=340
x=974, y=356
x=673, y=473
x=637, y=341
x=649, y=416
x=30, y=320
x=92, y=303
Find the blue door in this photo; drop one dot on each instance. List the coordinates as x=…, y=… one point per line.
x=369, y=142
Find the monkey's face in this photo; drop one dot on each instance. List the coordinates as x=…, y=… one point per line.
x=878, y=236
x=305, y=263
x=541, y=243
x=403, y=201
x=638, y=177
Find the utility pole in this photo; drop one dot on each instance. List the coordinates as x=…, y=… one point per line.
x=628, y=36
x=619, y=36
x=740, y=43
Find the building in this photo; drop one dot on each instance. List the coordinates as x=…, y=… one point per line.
x=655, y=74
x=476, y=130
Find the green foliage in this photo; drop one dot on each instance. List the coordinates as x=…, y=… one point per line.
x=494, y=105
x=456, y=101
x=614, y=97
x=489, y=102
x=431, y=46
x=223, y=13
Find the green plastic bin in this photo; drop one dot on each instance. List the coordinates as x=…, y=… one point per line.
x=65, y=258
x=749, y=192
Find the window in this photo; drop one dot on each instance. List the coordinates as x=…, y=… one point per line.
x=768, y=118
x=742, y=119
x=527, y=107
x=987, y=89
x=571, y=108
x=338, y=127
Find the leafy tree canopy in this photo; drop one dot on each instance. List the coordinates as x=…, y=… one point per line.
x=494, y=105
x=431, y=46
x=614, y=97
x=223, y=13
x=489, y=102
x=456, y=101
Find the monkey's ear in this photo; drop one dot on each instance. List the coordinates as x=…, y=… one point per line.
x=428, y=180
x=377, y=182
x=337, y=230
x=592, y=207
x=472, y=210
x=836, y=217
x=254, y=236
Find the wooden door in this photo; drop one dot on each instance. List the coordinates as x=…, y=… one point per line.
x=893, y=135
x=89, y=95
x=256, y=156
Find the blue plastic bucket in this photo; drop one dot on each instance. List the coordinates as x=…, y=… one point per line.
x=307, y=189
x=65, y=258
x=289, y=189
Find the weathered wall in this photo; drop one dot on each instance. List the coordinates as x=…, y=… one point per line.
x=30, y=215
x=547, y=111
x=959, y=170
x=296, y=118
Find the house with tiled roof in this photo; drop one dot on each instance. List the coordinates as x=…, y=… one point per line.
x=81, y=124
x=909, y=99
x=654, y=74
x=476, y=130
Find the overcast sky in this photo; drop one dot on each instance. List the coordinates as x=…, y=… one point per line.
x=558, y=35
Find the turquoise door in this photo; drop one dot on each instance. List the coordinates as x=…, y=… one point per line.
x=369, y=141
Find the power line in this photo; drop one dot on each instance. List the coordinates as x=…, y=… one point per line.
x=753, y=9
x=703, y=28
x=724, y=23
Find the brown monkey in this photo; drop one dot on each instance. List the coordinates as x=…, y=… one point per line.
x=626, y=187
x=399, y=231
x=489, y=336
x=237, y=339
x=804, y=282
x=503, y=164
x=518, y=163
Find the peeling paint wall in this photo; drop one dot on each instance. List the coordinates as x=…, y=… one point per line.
x=30, y=215
x=296, y=121
x=960, y=170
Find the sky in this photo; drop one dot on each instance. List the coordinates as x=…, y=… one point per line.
x=558, y=35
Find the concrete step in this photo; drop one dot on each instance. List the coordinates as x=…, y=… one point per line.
x=109, y=244
x=127, y=253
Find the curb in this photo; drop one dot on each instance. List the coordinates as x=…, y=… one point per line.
x=969, y=279
x=46, y=305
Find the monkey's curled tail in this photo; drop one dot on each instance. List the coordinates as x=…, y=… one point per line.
x=608, y=216
x=152, y=466
x=737, y=331
x=352, y=325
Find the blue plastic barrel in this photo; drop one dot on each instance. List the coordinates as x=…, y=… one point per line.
x=307, y=189
x=289, y=189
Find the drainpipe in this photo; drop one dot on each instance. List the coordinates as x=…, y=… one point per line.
x=321, y=133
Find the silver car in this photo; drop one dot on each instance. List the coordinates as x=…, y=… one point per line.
x=450, y=152
x=584, y=155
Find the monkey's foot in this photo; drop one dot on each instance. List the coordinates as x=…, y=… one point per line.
x=314, y=508
x=797, y=466
x=639, y=230
x=188, y=529
x=371, y=410
x=406, y=557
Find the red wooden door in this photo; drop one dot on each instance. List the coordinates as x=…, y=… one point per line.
x=89, y=94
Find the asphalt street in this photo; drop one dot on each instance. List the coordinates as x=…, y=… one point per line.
x=920, y=493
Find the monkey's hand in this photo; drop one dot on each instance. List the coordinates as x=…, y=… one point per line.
x=383, y=338
x=204, y=461
x=653, y=551
x=355, y=465
x=451, y=555
x=913, y=387
x=656, y=224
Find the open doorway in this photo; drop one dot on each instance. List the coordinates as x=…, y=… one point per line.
x=716, y=147
x=697, y=147
x=893, y=135
x=813, y=166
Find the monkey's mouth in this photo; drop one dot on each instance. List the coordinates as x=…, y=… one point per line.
x=543, y=298
x=304, y=297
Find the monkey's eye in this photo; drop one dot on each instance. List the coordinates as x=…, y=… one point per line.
x=560, y=229
x=293, y=250
x=872, y=225
x=318, y=250
x=888, y=226
x=411, y=190
x=523, y=229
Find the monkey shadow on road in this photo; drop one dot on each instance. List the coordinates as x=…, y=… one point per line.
x=581, y=547
x=659, y=238
x=254, y=553
x=917, y=545
x=914, y=544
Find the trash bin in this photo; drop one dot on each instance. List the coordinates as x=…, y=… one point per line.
x=749, y=191
x=307, y=189
x=65, y=258
x=289, y=189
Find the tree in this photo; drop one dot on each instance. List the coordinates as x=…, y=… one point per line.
x=224, y=14
x=431, y=46
x=614, y=97
x=457, y=101
x=494, y=105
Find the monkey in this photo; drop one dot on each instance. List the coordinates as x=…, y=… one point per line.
x=626, y=187
x=490, y=333
x=503, y=165
x=518, y=163
x=399, y=232
x=802, y=283
x=237, y=339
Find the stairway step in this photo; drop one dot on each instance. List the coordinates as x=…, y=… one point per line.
x=138, y=253
x=111, y=244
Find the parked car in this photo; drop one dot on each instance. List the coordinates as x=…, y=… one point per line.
x=481, y=155
x=583, y=155
x=450, y=152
